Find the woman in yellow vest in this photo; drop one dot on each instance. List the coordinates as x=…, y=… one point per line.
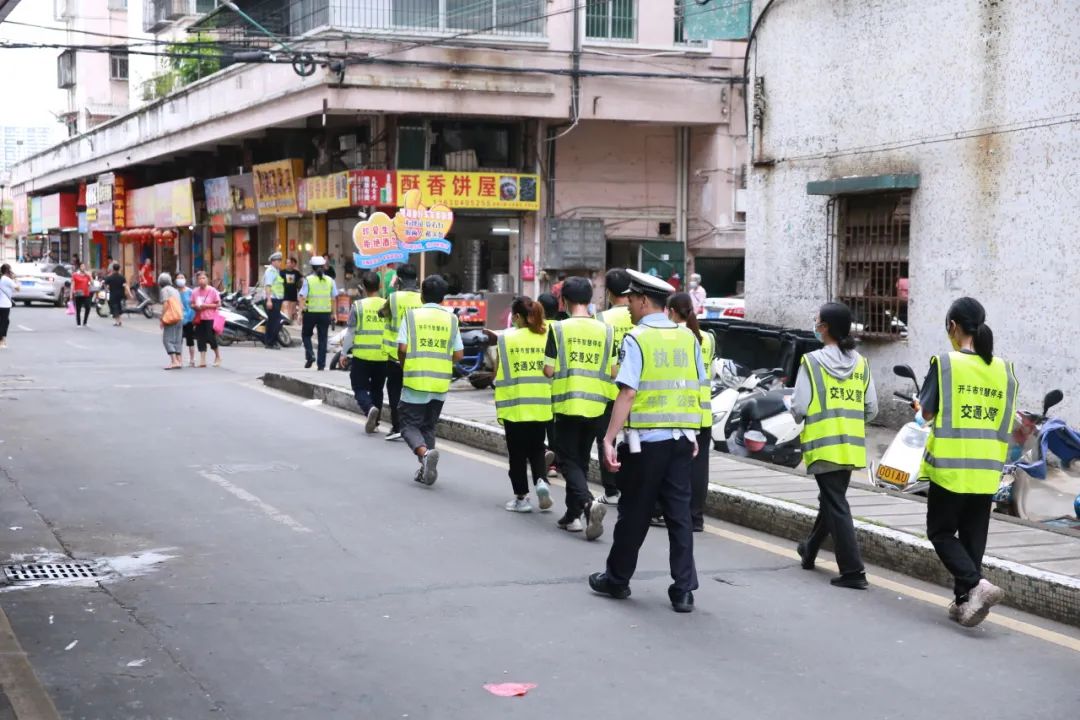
x=834, y=397
x=367, y=370
x=523, y=402
x=680, y=308
x=970, y=397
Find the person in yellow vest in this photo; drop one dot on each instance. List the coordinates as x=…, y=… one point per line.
x=523, y=402
x=429, y=343
x=834, y=398
x=274, y=289
x=578, y=358
x=969, y=396
x=659, y=402
x=617, y=316
x=367, y=369
x=680, y=307
x=317, y=298
x=405, y=298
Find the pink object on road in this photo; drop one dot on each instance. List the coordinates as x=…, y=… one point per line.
x=509, y=689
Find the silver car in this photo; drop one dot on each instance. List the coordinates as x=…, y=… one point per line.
x=42, y=283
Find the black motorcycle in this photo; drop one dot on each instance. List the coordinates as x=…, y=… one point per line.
x=246, y=319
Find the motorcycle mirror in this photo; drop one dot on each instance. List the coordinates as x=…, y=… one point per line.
x=1052, y=398
x=904, y=371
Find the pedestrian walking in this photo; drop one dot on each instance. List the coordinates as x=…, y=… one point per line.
x=659, y=403
x=523, y=402
x=616, y=283
x=293, y=282
x=680, y=308
x=274, y=290
x=206, y=300
x=188, y=320
x=172, y=321
x=317, y=306
x=698, y=295
x=8, y=287
x=367, y=370
x=429, y=343
x=969, y=396
x=80, y=294
x=578, y=359
x=834, y=398
x=118, y=291
x=405, y=298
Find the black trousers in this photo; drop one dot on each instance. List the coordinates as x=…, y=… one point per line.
x=834, y=518
x=418, y=423
x=394, y=379
x=367, y=378
x=574, y=437
x=205, y=335
x=660, y=472
x=5, y=320
x=949, y=515
x=699, y=478
x=273, y=323
x=313, y=322
x=525, y=448
x=82, y=310
x=609, y=479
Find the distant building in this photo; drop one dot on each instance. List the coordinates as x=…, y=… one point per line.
x=96, y=82
x=19, y=143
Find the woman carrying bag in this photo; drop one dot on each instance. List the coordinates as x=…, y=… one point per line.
x=172, y=317
x=835, y=397
x=206, y=301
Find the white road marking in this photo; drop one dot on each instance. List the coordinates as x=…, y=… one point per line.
x=24, y=328
x=266, y=508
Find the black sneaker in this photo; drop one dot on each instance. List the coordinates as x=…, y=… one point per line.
x=308, y=364
x=658, y=521
x=681, y=602
x=853, y=581
x=601, y=583
x=807, y=561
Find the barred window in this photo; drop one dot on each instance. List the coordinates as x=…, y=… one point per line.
x=611, y=19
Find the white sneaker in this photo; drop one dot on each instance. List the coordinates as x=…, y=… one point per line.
x=543, y=496
x=393, y=436
x=612, y=500
x=430, y=466
x=572, y=526
x=372, y=420
x=982, y=597
x=595, y=513
x=519, y=505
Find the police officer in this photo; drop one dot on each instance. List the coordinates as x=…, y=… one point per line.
x=659, y=401
x=616, y=282
x=970, y=397
x=835, y=394
x=429, y=343
x=317, y=304
x=274, y=288
x=578, y=358
x=367, y=370
x=523, y=402
x=405, y=298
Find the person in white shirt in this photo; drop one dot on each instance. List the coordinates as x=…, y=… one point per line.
x=8, y=286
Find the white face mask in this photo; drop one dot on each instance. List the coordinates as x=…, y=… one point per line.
x=181, y=282
x=693, y=284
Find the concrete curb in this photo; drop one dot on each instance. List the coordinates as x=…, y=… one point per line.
x=1029, y=589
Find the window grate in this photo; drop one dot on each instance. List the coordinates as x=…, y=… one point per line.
x=611, y=19
x=871, y=236
x=30, y=572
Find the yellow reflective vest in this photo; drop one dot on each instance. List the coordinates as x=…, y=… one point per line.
x=277, y=287
x=400, y=302
x=319, y=290
x=969, y=442
x=522, y=391
x=618, y=318
x=429, y=358
x=708, y=353
x=669, y=391
x=582, y=384
x=835, y=426
x=368, y=335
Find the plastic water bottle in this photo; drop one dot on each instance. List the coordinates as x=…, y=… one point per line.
x=1076, y=507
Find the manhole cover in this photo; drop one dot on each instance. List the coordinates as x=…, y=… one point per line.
x=49, y=571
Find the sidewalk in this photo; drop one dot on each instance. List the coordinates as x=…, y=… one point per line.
x=1038, y=567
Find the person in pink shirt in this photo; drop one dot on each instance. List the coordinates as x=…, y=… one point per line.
x=205, y=300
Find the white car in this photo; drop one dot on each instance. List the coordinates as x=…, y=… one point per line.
x=42, y=283
x=732, y=308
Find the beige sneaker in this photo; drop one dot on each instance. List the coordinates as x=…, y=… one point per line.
x=981, y=598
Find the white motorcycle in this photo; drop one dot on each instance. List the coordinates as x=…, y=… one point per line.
x=728, y=389
x=899, y=466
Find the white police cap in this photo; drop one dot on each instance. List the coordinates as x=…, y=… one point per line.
x=275, y=256
x=645, y=284
x=317, y=261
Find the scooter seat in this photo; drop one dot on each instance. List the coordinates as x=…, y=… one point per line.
x=766, y=406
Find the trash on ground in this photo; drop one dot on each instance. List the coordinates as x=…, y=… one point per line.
x=509, y=689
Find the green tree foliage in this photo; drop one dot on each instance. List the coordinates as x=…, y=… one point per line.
x=194, y=58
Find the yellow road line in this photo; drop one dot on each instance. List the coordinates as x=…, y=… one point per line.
x=1035, y=631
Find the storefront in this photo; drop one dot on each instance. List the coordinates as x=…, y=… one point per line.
x=106, y=216
x=234, y=231
x=58, y=219
x=160, y=221
x=277, y=204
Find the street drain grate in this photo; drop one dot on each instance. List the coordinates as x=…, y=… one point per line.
x=49, y=571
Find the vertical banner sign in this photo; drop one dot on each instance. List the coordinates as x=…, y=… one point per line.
x=275, y=186
x=381, y=239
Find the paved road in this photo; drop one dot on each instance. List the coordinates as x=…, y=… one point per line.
x=307, y=576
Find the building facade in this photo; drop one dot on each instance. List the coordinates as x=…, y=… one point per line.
x=96, y=82
x=915, y=161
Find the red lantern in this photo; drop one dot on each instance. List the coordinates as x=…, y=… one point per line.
x=246, y=247
x=528, y=270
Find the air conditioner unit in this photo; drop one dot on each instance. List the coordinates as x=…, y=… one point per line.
x=740, y=201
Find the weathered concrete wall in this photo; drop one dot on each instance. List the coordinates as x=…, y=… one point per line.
x=979, y=98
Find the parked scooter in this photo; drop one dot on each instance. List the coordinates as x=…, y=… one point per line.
x=900, y=464
x=334, y=344
x=761, y=427
x=144, y=305
x=728, y=389
x=246, y=320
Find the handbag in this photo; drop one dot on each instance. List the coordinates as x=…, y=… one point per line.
x=70, y=307
x=173, y=312
x=219, y=323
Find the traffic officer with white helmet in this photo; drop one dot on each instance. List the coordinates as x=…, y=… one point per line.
x=659, y=402
x=317, y=297
x=274, y=289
